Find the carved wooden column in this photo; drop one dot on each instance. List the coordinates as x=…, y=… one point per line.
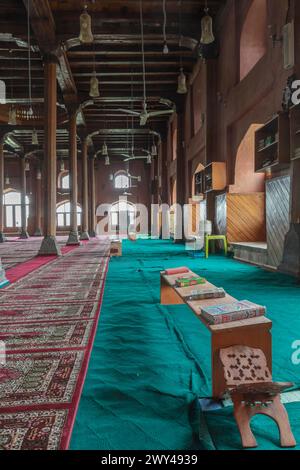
x=73, y=236
x=180, y=178
x=38, y=203
x=85, y=194
x=92, y=218
x=2, y=237
x=49, y=244
x=24, y=234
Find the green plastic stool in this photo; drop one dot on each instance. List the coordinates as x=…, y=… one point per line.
x=215, y=237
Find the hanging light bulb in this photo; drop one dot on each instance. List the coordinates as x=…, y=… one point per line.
x=182, y=87
x=7, y=181
x=12, y=116
x=165, y=49
x=27, y=166
x=62, y=166
x=149, y=160
x=207, y=36
x=35, y=138
x=94, y=86
x=154, y=150
x=104, y=150
x=107, y=162
x=86, y=35
x=2, y=92
x=111, y=177
x=38, y=175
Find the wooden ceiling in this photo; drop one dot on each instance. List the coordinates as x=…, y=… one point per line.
x=115, y=55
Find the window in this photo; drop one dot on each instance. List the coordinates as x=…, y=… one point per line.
x=12, y=209
x=65, y=181
x=63, y=215
x=125, y=208
x=122, y=181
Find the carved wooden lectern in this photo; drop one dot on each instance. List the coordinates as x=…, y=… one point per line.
x=250, y=386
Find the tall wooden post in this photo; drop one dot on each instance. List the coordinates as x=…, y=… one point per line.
x=49, y=244
x=24, y=234
x=85, y=194
x=73, y=236
x=38, y=204
x=2, y=237
x=180, y=178
x=92, y=218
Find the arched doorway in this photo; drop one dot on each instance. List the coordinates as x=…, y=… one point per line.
x=122, y=216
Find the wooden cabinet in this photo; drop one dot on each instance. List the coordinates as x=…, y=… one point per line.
x=242, y=217
x=295, y=132
x=272, y=144
x=215, y=177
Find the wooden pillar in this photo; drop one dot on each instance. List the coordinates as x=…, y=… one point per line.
x=180, y=178
x=38, y=204
x=24, y=234
x=49, y=243
x=92, y=218
x=2, y=237
x=73, y=236
x=85, y=194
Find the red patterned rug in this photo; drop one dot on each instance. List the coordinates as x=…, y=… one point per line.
x=48, y=322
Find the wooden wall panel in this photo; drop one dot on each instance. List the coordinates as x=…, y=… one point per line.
x=246, y=217
x=278, y=218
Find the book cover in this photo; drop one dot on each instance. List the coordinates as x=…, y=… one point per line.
x=189, y=281
x=235, y=311
x=202, y=294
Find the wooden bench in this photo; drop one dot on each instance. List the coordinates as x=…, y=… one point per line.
x=253, y=332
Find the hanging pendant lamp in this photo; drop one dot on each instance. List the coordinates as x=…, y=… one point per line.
x=94, y=86
x=207, y=36
x=2, y=92
x=35, y=138
x=62, y=166
x=12, y=116
x=182, y=87
x=27, y=166
x=38, y=174
x=149, y=160
x=7, y=181
x=154, y=149
x=107, y=162
x=86, y=35
x=165, y=48
x=104, y=150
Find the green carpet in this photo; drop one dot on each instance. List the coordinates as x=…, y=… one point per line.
x=150, y=363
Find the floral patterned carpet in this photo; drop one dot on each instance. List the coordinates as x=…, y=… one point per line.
x=48, y=321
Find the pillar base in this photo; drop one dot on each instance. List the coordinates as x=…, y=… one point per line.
x=24, y=235
x=38, y=233
x=49, y=246
x=73, y=238
x=2, y=237
x=92, y=234
x=84, y=236
x=291, y=253
x=3, y=281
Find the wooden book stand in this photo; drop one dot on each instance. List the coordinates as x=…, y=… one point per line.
x=249, y=383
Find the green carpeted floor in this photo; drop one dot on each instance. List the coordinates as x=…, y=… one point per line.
x=150, y=363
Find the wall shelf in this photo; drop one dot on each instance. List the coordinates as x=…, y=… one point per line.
x=272, y=144
x=215, y=177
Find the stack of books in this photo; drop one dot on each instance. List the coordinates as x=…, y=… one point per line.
x=188, y=281
x=225, y=313
x=205, y=293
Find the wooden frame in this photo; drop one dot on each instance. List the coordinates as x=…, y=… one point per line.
x=272, y=144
